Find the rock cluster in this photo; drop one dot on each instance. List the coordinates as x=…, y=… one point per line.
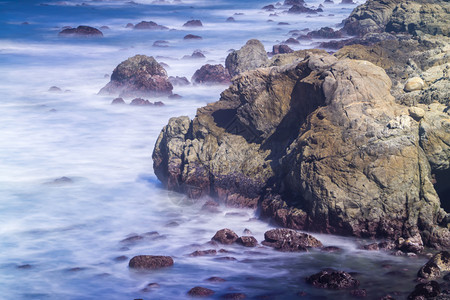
x=139, y=76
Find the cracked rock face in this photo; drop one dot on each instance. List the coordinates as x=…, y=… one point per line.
x=320, y=145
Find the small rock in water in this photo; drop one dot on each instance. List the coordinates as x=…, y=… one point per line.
x=192, y=37
x=193, y=23
x=174, y=96
x=203, y=252
x=55, y=89
x=231, y=19
x=290, y=240
x=161, y=44
x=210, y=206
x=247, y=241
x=211, y=74
x=150, y=262
x=225, y=236
x=81, y=31
x=61, y=180
x=121, y=258
x=334, y=280
x=24, y=267
x=371, y=247
x=234, y=296
x=140, y=102
x=180, y=81
x=215, y=279
x=129, y=25
x=331, y=249
x=358, y=293
x=132, y=239
x=247, y=231
x=199, y=291
x=150, y=26
x=118, y=101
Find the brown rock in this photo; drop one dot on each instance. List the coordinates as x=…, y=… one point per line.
x=149, y=26
x=225, y=236
x=247, y=241
x=192, y=37
x=290, y=240
x=199, y=291
x=203, y=252
x=81, y=31
x=150, y=262
x=335, y=280
x=211, y=74
x=193, y=23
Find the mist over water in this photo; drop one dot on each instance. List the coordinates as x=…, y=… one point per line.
x=65, y=239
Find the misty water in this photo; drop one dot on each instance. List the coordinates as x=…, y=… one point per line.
x=66, y=238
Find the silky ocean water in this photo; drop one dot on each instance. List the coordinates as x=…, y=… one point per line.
x=66, y=239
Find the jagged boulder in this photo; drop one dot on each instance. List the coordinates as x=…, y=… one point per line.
x=319, y=144
x=251, y=56
x=139, y=76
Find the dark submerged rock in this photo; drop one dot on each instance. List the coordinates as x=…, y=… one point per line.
x=335, y=280
x=193, y=23
x=81, y=31
x=211, y=74
x=225, y=236
x=425, y=291
x=199, y=291
x=290, y=240
x=215, y=279
x=149, y=26
x=55, y=89
x=192, y=37
x=234, y=296
x=140, y=76
x=150, y=262
x=203, y=252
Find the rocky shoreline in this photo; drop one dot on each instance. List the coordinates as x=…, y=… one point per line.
x=325, y=143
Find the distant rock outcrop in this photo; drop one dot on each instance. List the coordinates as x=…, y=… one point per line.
x=139, y=76
x=211, y=74
x=81, y=31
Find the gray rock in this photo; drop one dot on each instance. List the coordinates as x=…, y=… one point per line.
x=249, y=57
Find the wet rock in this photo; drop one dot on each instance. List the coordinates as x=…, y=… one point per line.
x=150, y=287
x=118, y=101
x=247, y=231
x=195, y=55
x=294, y=2
x=81, y=31
x=192, y=37
x=331, y=249
x=215, y=279
x=247, y=241
x=211, y=206
x=149, y=26
x=251, y=56
x=226, y=258
x=161, y=44
x=436, y=266
x=335, y=280
x=225, y=236
x=132, y=239
x=179, y=81
x=203, y=252
x=174, y=96
x=414, y=84
x=121, y=258
x=425, y=291
x=291, y=41
x=347, y=2
x=150, y=262
x=231, y=19
x=62, y=180
x=371, y=247
x=413, y=244
x=234, y=296
x=25, y=267
x=193, y=23
x=129, y=25
x=282, y=23
x=290, y=240
x=139, y=76
x=358, y=293
x=211, y=74
x=296, y=9
x=325, y=33
x=199, y=291
x=55, y=89
x=140, y=102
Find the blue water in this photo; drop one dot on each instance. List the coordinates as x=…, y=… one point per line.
x=63, y=240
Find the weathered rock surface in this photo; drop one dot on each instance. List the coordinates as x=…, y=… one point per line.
x=225, y=236
x=150, y=262
x=139, y=76
x=290, y=240
x=211, y=74
x=149, y=26
x=414, y=17
x=427, y=290
x=193, y=23
x=436, y=267
x=320, y=144
x=335, y=280
x=251, y=56
x=300, y=9
x=81, y=31
x=247, y=241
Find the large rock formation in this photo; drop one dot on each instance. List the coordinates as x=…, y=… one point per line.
x=319, y=145
x=251, y=56
x=139, y=76
x=415, y=17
